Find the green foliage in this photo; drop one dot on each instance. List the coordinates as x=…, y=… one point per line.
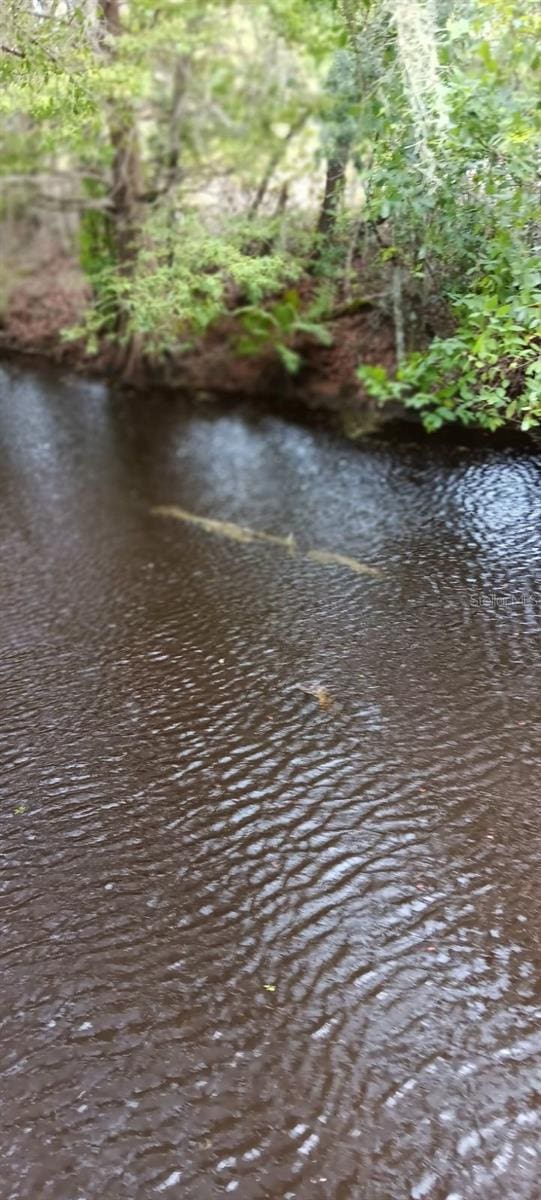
x=430, y=109
x=469, y=235
x=96, y=254
x=342, y=106
x=488, y=372
x=274, y=326
x=183, y=283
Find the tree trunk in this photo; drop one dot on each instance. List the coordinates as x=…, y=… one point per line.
x=173, y=171
x=126, y=165
x=124, y=213
x=334, y=187
x=125, y=188
x=274, y=162
x=398, y=314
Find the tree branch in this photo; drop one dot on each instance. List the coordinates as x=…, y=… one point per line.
x=12, y=50
x=275, y=161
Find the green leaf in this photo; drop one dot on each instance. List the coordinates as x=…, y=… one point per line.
x=291, y=360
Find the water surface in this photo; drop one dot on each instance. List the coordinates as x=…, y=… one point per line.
x=269, y=828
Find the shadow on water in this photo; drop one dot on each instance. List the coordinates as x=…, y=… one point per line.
x=269, y=826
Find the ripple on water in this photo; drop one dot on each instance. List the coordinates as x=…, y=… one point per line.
x=254, y=944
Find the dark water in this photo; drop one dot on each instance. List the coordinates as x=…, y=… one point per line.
x=253, y=944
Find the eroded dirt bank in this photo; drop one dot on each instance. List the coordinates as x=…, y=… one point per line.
x=51, y=298
x=45, y=301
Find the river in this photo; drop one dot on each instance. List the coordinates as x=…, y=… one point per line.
x=269, y=821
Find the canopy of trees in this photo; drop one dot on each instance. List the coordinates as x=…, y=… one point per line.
x=215, y=155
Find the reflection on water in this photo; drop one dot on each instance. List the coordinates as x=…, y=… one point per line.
x=270, y=833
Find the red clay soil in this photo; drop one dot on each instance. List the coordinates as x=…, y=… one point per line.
x=41, y=305
x=329, y=373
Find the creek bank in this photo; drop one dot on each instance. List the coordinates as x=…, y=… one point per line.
x=326, y=389
x=41, y=306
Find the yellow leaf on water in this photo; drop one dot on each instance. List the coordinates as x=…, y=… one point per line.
x=317, y=691
x=269, y=987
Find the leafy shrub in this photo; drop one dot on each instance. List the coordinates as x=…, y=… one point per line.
x=182, y=283
x=488, y=372
x=274, y=326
